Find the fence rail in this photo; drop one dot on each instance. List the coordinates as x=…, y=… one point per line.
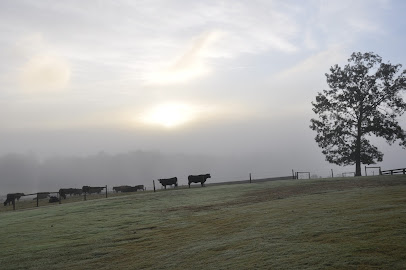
x=394, y=171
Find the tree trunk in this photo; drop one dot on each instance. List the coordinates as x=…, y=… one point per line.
x=358, y=146
x=358, y=168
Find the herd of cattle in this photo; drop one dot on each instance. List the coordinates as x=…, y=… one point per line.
x=11, y=197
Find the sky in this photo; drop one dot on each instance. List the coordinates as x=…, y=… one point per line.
x=230, y=82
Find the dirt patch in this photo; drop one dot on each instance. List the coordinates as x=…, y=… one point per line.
x=305, y=188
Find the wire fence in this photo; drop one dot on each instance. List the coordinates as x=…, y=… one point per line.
x=20, y=201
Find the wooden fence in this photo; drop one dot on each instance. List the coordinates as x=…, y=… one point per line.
x=394, y=171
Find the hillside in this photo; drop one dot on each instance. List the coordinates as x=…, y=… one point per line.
x=340, y=223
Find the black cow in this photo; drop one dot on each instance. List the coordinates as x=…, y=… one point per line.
x=75, y=191
x=120, y=188
x=169, y=182
x=11, y=197
x=90, y=190
x=198, y=179
x=129, y=189
x=63, y=192
x=132, y=189
x=69, y=191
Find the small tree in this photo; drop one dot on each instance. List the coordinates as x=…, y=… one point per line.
x=364, y=99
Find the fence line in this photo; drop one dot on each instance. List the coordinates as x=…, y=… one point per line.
x=394, y=171
x=248, y=179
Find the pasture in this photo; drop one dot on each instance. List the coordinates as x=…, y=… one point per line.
x=340, y=223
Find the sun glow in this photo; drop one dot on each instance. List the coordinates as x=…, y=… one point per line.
x=170, y=115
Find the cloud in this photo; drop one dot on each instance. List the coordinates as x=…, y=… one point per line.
x=43, y=68
x=190, y=65
x=318, y=63
x=301, y=82
x=44, y=73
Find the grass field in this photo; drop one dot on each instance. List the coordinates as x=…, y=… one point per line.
x=340, y=223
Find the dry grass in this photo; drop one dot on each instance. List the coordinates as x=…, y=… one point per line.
x=351, y=223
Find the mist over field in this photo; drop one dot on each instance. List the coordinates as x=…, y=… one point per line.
x=30, y=173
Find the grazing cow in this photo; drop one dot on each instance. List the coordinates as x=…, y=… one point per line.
x=198, y=179
x=11, y=197
x=90, y=190
x=169, y=182
x=120, y=188
x=128, y=188
x=42, y=195
x=132, y=189
x=69, y=191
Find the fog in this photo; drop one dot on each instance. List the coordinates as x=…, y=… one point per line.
x=28, y=173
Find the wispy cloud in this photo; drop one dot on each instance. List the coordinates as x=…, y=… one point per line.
x=129, y=54
x=190, y=65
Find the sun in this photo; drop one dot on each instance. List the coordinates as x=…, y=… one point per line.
x=169, y=115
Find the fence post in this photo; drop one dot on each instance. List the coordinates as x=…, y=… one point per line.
x=250, y=178
x=293, y=174
x=153, y=181
x=332, y=174
x=85, y=197
x=59, y=198
x=14, y=204
x=106, y=191
x=37, y=200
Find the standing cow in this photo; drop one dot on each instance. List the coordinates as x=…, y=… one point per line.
x=120, y=188
x=69, y=191
x=198, y=179
x=132, y=189
x=169, y=182
x=90, y=190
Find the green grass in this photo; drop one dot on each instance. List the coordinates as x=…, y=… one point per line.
x=348, y=223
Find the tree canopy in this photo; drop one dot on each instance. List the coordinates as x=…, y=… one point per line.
x=364, y=99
